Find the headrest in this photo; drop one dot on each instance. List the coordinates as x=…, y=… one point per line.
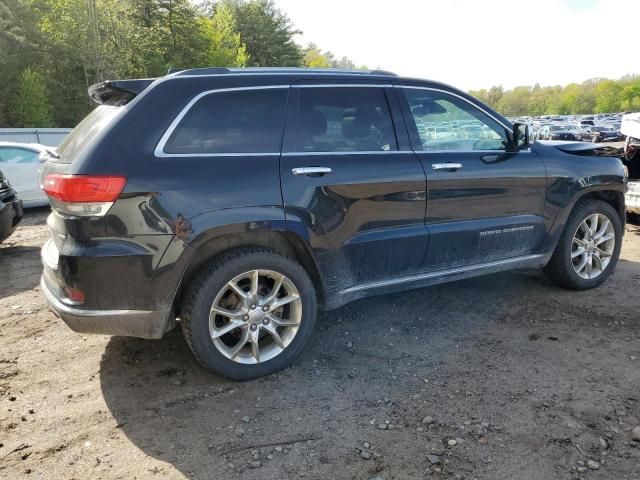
x=358, y=124
x=315, y=122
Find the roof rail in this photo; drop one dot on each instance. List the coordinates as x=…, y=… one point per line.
x=293, y=70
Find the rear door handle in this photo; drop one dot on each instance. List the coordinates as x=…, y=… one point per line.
x=446, y=166
x=311, y=170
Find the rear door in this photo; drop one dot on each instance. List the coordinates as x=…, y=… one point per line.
x=483, y=204
x=351, y=184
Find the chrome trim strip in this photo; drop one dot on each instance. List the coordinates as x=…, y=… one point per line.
x=340, y=85
x=359, y=152
x=60, y=307
x=440, y=273
x=453, y=94
x=159, y=150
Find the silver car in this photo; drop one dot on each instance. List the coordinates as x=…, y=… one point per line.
x=20, y=163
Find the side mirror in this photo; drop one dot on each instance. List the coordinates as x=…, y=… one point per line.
x=520, y=137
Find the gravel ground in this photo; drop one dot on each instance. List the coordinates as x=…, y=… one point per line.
x=501, y=377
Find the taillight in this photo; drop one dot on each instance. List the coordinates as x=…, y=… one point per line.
x=83, y=195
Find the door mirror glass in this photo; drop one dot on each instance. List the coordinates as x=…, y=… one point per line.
x=520, y=136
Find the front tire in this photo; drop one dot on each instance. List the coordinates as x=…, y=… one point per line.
x=249, y=313
x=589, y=247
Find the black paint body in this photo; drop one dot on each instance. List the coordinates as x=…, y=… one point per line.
x=381, y=221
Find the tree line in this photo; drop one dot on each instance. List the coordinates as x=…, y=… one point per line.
x=598, y=95
x=51, y=51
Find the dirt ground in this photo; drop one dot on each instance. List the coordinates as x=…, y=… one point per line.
x=531, y=381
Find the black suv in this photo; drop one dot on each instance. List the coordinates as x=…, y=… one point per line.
x=238, y=202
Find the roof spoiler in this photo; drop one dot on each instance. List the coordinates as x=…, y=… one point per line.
x=118, y=92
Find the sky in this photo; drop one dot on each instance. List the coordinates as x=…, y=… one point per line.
x=477, y=44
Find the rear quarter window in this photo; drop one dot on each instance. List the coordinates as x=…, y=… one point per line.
x=239, y=121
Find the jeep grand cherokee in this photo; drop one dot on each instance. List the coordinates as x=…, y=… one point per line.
x=236, y=203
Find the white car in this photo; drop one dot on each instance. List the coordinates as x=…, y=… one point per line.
x=20, y=163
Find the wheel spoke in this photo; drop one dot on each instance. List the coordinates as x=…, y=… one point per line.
x=241, y=343
x=271, y=329
x=604, y=238
x=225, y=313
x=255, y=345
x=274, y=291
x=579, y=242
x=241, y=293
x=593, y=224
x=579, y=251
x=283, y=322
x=255, y=275
x=232, y=325
x=602, y=253
x=589, y=267
x=284, y=301
x=583, y=263
x=597, y=260
x=602, y=230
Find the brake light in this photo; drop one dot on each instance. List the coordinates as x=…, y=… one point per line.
x=83, y=195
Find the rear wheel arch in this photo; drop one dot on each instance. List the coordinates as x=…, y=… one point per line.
x=283, y=242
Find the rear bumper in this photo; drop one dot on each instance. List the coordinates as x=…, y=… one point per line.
x=129, y=323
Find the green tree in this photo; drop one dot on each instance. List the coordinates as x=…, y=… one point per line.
x=608, y=93
x=32, y=107
x=222, y=43
x=267, y=33
x=314, y=58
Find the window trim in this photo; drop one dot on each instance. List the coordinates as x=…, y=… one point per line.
x=453, y=94
x=159, y=150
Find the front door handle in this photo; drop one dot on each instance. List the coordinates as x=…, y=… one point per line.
x=446, y=166
x=311, y=171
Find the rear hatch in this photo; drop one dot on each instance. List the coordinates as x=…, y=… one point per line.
x=79, y=199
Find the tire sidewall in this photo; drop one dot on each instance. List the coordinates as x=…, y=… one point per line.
x=201, y=341
x=584, y=211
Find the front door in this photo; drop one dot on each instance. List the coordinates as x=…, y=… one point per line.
x=483, y=204
x=351, y=185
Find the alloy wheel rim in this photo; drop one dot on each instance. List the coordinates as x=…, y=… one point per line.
x=255, y=316
x=592, y=246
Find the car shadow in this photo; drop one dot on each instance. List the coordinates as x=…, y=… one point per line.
x=20, y=269
x=180, y=413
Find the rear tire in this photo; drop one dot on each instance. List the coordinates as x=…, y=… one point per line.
x=240, y=284
x=564, y=266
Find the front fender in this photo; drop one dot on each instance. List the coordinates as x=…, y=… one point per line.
x=572, y=177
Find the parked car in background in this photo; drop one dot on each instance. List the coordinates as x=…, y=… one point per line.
x=21, y=162
x=557, y=132
x=236, y=202
x=597, y=133
x=630, y=128
x=10, y=208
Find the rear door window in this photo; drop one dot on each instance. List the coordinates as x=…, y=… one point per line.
x=239, y=121
x=344, y=119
